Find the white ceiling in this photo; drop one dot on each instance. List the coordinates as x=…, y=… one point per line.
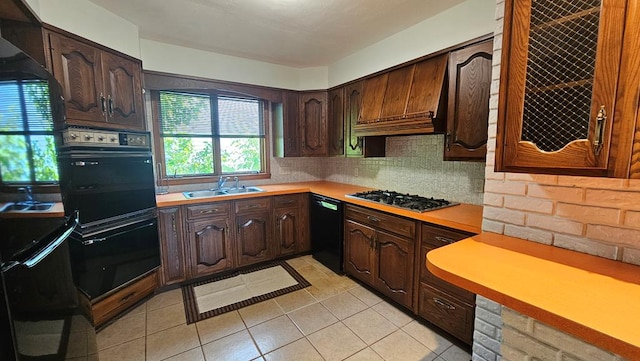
x=298, y=33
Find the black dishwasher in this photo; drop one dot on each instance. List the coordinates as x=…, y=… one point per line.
x=326, y=216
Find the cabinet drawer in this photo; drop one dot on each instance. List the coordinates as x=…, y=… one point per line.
x=253, y=204
x=447, y=312
x=289, y=200
x=436, y=282
x=438, y=237
x=208, y=209
x=112, y=305
x=400, y=226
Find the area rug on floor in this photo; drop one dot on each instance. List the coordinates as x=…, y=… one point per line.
x=217, y=295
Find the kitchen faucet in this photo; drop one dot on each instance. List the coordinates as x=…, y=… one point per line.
x=28, y=193
x=221, y=181
x=236, y=181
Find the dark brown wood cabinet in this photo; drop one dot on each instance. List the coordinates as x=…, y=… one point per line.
x=101, y=88
x=468, y=110
x=210, y=246
x=313, y=124
x=568, y=88
x=253, y=230
x=172, y=248
x=336, y=124
x=404, y=100
x=290, y=227
x=439, y=302
x=290, y=129
x=379, y=250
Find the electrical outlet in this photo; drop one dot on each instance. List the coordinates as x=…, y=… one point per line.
x=355, y=172
x=285, y=170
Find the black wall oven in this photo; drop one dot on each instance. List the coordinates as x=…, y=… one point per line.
x=108, y=176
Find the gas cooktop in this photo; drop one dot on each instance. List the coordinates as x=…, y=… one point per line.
x=406, y=201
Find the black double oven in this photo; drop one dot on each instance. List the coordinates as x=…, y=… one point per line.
x=108, y=177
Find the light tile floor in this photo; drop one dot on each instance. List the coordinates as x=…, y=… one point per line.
x=334, y=319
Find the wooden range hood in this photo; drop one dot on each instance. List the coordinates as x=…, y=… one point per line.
x=407, y=100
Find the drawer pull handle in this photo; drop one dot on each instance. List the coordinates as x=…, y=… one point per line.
x=214, y=210
x=127, y=297
x=444, y=239
x=373, y=219
x=443, y=304
x=253, y=206
x=287, y=201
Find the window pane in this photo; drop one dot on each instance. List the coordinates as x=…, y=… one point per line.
x=240, y=155
x=10, y=108
x=188, y=156
x=36, y=93
x=13, y=159
x=185, y=114
x=239, y=117
x=44, y=158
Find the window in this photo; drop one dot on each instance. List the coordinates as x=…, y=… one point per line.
x=210, y=134
x=27, y=149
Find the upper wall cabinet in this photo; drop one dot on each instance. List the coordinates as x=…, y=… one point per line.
x=313, y=124
x=101, y=88
x=468, y=110
x=407, y=100
x=568, y=91
x=336, y=124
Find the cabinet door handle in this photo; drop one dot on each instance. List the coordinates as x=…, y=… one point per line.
x=443, y=304
x=127, y=297
x=173, y=223
x=373, y=219
x=601, y=119
x=208, y=211
x=444, y=239
x=448, y=141
x=110, y=103
x=103, y=103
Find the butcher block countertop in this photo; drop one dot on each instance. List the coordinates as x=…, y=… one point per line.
x=465, y=217
x=593, y=298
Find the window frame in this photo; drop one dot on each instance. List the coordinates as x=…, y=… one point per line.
x=51, y=186
x=164, y=179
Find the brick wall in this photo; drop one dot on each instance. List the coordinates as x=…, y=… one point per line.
x=598, y=216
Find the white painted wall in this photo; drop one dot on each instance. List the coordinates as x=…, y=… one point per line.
x=90, y=21
x=463, y=22
x=175, y=59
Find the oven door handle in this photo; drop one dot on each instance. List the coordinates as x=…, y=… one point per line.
x=92, y=241
x=31, y=260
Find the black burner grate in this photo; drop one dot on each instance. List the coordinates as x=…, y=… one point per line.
x=406, y=201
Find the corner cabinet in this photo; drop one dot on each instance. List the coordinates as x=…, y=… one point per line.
x=468, y=109
x=100, y=88
x=568, y=91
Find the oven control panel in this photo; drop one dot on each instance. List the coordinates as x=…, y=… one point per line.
x=101, y=138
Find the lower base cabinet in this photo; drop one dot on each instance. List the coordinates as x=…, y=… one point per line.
x=439, y=302
x=210, y=248
x=378, y=257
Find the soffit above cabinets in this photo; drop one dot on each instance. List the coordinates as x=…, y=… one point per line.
x=298, y=33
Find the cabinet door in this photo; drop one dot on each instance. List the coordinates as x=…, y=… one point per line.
x=253, y=240
x=468, y=112
x=313, y=124
x=336, y=122
x=172, y=248
x=77, y=67
x=123, y=89
x=394, y=267
x=358, y=251
x=290, y=126
x=288, y=230
x=355, y=146
x=558, y=86
x=209, y=246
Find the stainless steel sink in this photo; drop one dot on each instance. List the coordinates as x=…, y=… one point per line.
x=26, y=207
x=220, y=192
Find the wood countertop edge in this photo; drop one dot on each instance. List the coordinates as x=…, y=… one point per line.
x=464, y=217
x=586, y=326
